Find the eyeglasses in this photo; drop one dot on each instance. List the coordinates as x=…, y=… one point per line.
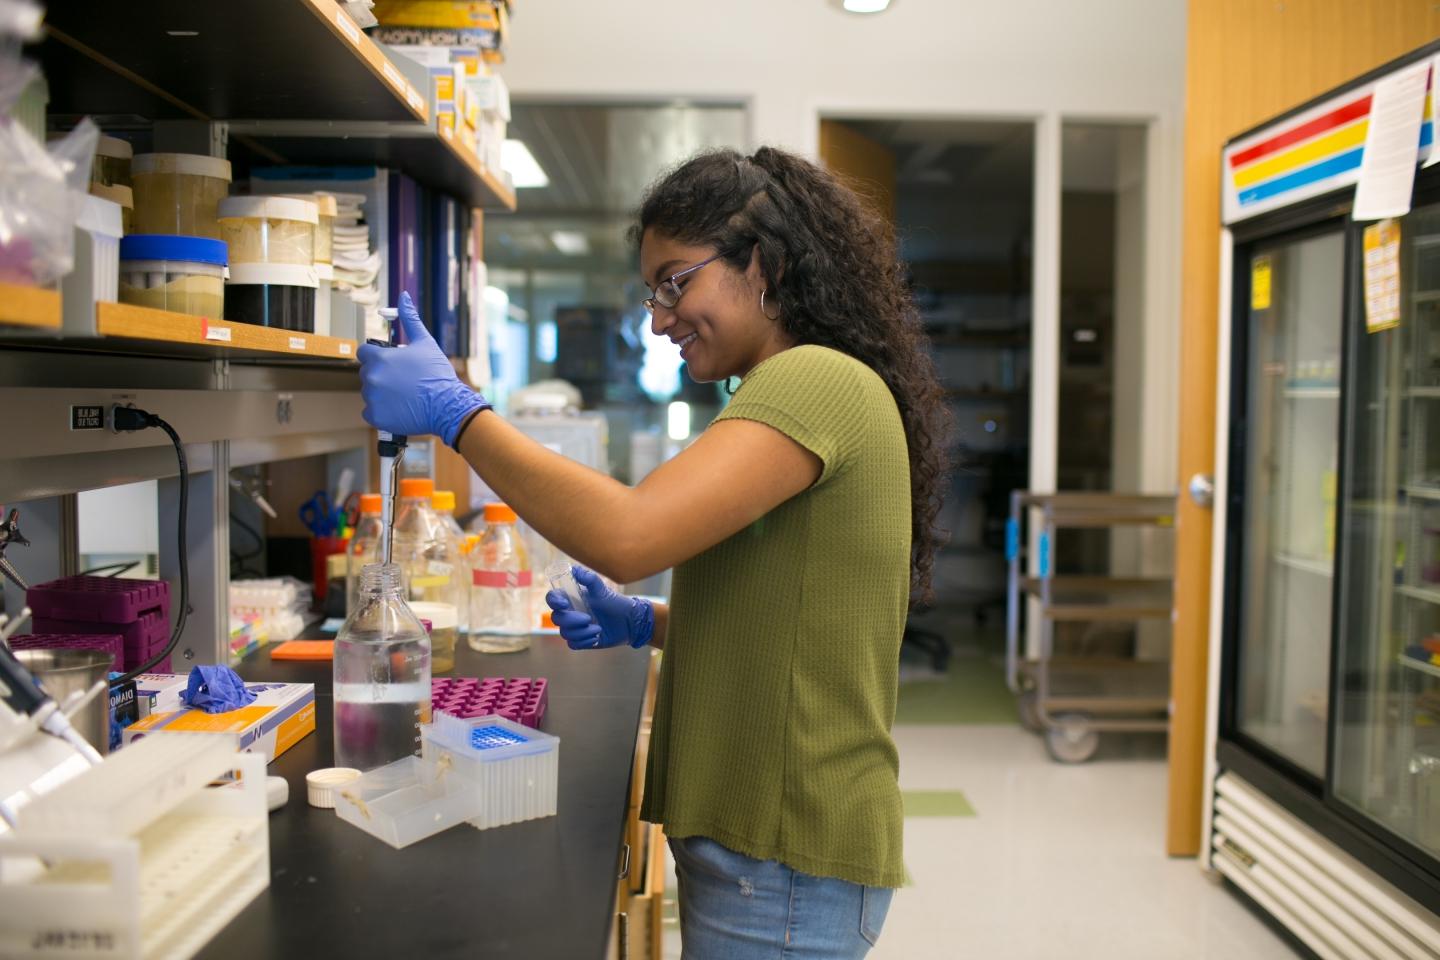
x=667, y=292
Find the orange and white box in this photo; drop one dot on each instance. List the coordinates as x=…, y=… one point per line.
x=281, y=715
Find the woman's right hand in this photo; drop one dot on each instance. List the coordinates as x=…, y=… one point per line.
x=614, y=618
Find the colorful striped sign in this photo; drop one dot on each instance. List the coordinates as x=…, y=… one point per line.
x=1309, y=154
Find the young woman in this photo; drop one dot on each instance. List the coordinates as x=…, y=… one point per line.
x=800, y=525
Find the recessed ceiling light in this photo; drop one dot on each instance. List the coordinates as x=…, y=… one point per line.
x=183, y=33
x=865, y=6
x=522, y=166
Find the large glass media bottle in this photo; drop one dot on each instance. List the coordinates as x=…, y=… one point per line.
x=382, y=675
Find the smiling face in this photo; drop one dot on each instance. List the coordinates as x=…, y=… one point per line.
x=717, y=321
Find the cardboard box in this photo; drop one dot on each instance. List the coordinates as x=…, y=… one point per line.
x=280, y=717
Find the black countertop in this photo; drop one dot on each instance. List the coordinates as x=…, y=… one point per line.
x=542, y=890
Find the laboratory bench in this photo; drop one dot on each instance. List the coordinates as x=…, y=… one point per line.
x=541, y=889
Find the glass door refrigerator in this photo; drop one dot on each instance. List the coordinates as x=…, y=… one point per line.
x=1325, y=810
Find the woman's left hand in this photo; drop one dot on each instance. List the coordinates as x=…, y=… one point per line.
x=412, y=390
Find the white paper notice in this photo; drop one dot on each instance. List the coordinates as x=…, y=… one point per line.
x=1387, y=170
x=1434, y=101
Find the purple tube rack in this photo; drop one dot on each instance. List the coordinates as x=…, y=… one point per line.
x=105, y=642
x=520, y=699
x=98, y=599
x=137, y=610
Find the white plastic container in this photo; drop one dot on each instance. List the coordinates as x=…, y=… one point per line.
x=179, y=193
x=179, y=274
x=279, y=295
x=269, y=229
x=124, y=196
x=96, y=273
x=514, y=769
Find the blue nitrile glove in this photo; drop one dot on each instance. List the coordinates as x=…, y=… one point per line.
x=413, y=390
x=616, y=618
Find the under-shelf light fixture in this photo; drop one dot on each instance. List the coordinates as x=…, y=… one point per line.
x=865, y=6
x=525, y=170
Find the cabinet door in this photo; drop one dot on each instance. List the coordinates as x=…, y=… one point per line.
x=1291, y=380
x=1387, y=743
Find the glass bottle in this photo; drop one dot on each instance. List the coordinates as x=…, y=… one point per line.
x=363, y=545
x=382, y=674
x=501, y=620
x=442, y=502
x=430, y=567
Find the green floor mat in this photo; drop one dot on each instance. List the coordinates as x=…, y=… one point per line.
x=972, y=691
x=936, y=803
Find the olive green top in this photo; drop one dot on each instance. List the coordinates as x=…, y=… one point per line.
x=777, y=688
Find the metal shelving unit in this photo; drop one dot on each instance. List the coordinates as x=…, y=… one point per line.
x=1099, y=693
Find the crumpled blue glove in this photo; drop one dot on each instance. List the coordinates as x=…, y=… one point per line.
x=216, y=689
x=413, y=390
x=613, y=619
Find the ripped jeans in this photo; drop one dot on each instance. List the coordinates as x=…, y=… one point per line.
x=733, y=907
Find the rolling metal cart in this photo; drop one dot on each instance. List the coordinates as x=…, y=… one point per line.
x=1072, y=699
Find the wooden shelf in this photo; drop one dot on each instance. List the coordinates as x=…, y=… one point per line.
x=29, y=307
x=329, y=94
x=162, y=328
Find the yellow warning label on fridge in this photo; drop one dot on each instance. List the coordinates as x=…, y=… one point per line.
x=1260, y=284
x=1382, y=275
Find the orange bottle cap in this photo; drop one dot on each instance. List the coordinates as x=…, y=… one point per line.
x=443, y=500
x=499, y=513
x=417, y=487
x=371, y=503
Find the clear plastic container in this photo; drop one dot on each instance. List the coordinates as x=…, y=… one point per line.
x=430, y=556
x=111, y=166
x=407, y=801
x=180, y=274
x=444, y=620
x=501, y=608
x=179, y=193
x=562, y=578
x=364, y=543
x=382, y=675
x=269, y=229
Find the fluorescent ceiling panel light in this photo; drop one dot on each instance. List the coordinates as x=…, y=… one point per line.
x=866, y=6
x=520, y=163
x=572, y=243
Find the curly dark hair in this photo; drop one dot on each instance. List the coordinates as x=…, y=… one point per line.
x=833, y=263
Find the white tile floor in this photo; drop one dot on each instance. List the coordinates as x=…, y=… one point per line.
x=1060, y=862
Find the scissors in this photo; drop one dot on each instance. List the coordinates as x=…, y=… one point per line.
x=317, y=514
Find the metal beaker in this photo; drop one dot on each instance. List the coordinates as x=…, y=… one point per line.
x=63, y=672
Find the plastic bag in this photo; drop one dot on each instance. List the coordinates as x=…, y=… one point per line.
x=42, y=188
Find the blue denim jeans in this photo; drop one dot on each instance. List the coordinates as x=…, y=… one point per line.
x=733, y=907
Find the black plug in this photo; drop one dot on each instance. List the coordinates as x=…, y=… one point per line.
x=130, y=419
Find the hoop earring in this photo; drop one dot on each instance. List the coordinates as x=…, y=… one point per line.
x=762, y=308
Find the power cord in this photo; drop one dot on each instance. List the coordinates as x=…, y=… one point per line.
x=128, y=420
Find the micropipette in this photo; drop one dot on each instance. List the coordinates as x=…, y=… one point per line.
x=391, y=448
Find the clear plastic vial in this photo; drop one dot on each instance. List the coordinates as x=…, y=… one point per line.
x=501, y=611
x=364, y=543
x=382, y=675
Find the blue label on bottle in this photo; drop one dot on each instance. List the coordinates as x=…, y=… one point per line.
x=1044, y=554
x=1012, y=538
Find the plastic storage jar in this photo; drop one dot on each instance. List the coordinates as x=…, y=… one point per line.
x=328, y=209
x=178, y=193
x=269, y=230
x=111, y=166
x=181, y=274
x=279, y=295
